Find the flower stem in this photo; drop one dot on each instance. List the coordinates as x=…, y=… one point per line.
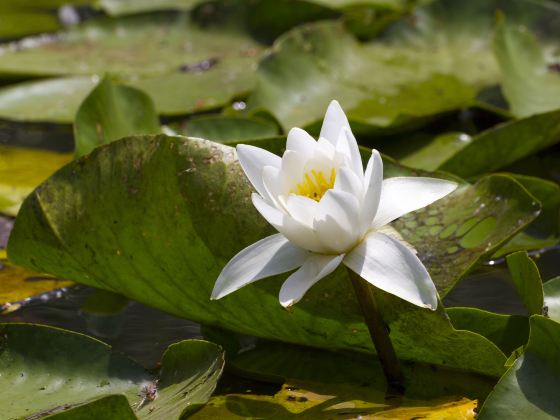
x=379, y=334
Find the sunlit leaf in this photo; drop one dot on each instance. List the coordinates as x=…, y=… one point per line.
x=224, y=129
x=529, y=84
x=63, y=369
x=21, y=170
x=508, y=332
x=111, y=112
x=528, y=389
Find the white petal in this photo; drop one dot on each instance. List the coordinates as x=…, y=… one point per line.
x=271, y=214
x=300, y=141
x=302, y=208
x=392, y=267
x=253, y=160
x=348, y=146
x=298, y=233
x=314, y=269
x=324, y=151
x=335, y=120
x=402, y=195
x=373, y=180
x=346, y=180
x=293, y=164
x=267, y=257
x=273, y=186
x=335, y=221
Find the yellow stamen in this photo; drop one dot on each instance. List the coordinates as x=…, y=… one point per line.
x=315, y=185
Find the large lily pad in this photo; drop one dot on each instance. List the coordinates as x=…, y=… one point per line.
x=174, y=211
x=528, y=389
x=46, y=370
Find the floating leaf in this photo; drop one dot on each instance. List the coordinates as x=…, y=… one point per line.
x=528, y=390
x=551, y=291
x=125, y=7
x=508, y=332
x=55, y=100
x=527, y=280
x=46, y=370
x=111, y=407
x=181, y=65
x=175, y=210
x=434, y=153
x=21, y=170
x=505, y=144
x=545, y=230
x=224, y=129
x=529, y=85
x=149, y=45
x=312, y=64
x=111, y=112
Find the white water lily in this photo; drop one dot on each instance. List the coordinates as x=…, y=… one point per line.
x=329, y=211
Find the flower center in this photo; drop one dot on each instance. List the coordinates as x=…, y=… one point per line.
x=315, y=184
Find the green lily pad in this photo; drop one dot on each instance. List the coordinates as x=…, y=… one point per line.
x=551, y=291
x=508, y=332
x=223, y=129
x=528, y=390
x=545, y=230
x=21, y=170
x=124, y=7
x=528, y=83
x=111, y=407
x=312, y=64
x=183, y=66
x=505, y=144
x=55, y=100
x=154, y=44
x=527, y=280
x=175, y=210
x=46, y=370
x=111, y=112
x=436, y=151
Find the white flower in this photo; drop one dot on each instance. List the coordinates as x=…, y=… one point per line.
x=328, y=211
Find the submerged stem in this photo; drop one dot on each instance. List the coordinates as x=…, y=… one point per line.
x=379, y=334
